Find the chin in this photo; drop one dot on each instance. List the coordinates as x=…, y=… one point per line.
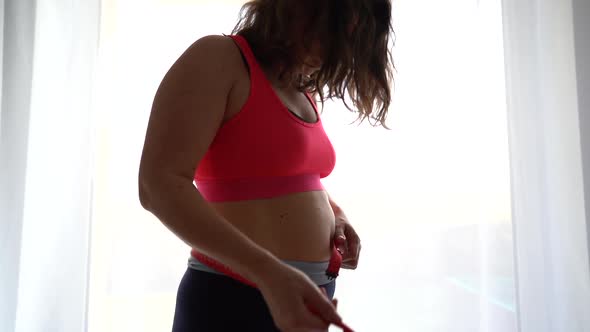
x=309, y=73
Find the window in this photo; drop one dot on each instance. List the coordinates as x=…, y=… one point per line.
x=430, y=198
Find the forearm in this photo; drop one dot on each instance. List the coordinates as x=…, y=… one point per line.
x=335, y=207
x=182, y=209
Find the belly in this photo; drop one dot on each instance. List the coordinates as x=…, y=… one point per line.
x=298, y=226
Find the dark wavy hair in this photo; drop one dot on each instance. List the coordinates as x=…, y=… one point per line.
x=354, y=36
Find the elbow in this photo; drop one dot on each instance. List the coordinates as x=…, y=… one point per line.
x=143, y=193
x=156, y=188
x=145, y=184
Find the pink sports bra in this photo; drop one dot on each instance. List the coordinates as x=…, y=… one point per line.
x=262, y=152
x=265, y=150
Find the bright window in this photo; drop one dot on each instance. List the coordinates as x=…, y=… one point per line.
x=430, y=198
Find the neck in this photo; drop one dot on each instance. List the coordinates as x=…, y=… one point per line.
x=272, y=74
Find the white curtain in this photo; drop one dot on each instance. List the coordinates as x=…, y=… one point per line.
x=547, y=61
x=430, y=198
x=472, y=209
x=48, y=50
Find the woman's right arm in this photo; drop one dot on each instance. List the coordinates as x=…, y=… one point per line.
x=187, y=111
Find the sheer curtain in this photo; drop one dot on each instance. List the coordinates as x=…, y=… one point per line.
x=48, y=49
x=547, y=59
x=471, y=209
x=430, y=198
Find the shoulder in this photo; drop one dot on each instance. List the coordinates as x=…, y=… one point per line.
x=215, y=44
x=213, y=53
x=215, y=48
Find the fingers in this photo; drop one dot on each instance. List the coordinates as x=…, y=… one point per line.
x=350, y=259
x=351, y=265
x=339, y=231
x=334, y=301
x=323, y=308
x=316, y=317
x=340, y=239
x=303, y=319
x=314, y=322
x=354, y=248
x=354, y=242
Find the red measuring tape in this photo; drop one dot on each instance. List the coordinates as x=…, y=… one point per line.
x=332, y=272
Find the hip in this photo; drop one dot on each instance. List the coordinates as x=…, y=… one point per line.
x=213, y=302
x=316, y=271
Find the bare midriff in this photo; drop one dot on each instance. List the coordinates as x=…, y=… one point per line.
x=297, y=226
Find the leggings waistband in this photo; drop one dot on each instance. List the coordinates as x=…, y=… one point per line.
x=316, y=271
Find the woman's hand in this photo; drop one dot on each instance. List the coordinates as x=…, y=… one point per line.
x=347, y=242
x=291, y=297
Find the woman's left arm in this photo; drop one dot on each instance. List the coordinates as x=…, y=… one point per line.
x=345, y=238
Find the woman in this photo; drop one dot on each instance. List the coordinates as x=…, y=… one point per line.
x=236, y=114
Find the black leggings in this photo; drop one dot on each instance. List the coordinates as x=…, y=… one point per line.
x=209, y=302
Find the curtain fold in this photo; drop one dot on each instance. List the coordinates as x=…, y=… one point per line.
x=581, y=10
x=549, y=215
x=17, y=62
x=46, y=147
x=48, y=51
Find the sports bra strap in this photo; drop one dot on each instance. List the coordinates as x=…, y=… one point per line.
x=253, y=65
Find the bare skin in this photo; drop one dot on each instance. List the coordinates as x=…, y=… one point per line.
x=298, y=226
x=293, y=227
x=207, y=86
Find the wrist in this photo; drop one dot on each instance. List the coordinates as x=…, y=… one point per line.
x=260, y=265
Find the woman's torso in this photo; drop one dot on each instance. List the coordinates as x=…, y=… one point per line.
x=297, y=226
